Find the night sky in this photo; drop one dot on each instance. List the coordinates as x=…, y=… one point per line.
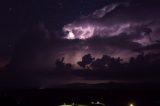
x=34, y=33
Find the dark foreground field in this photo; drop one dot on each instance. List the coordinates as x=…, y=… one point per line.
x=128, y=96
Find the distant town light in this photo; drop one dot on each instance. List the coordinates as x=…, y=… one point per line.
x=131, y=104
x=97, y=103
x=92, y=102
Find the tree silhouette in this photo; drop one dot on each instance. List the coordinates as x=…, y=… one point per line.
x=115, y=63
x=104, y=63
x=101, y=63
x=60, y=65
x=68, y=66
x=148, y=61
x=107, y=63
x=86, y=60
x=143, y=61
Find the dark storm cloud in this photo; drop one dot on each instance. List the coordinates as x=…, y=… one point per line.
x=118, y=28
x=114, y=19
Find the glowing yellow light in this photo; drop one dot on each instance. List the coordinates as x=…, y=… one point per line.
x=92, y=102
x=98, y=102
x=131, y=104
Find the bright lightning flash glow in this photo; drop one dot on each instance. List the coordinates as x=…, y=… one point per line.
x=79, y=32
